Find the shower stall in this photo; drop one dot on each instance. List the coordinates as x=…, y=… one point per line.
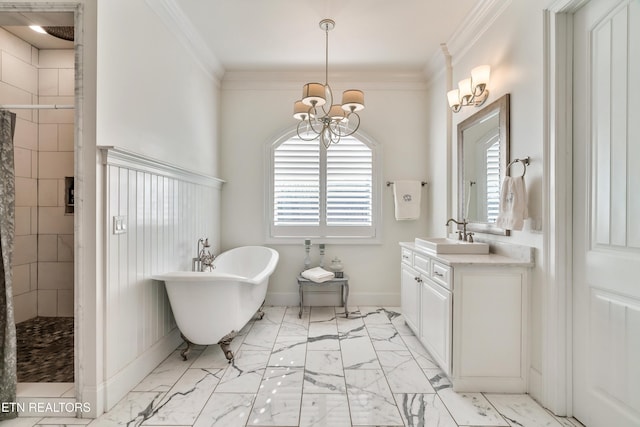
x=37, y=85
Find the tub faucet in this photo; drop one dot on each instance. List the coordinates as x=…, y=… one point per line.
x=204, y=260
x=462, y=235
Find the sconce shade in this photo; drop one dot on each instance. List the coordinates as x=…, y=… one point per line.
x=453, y=96
x=353, y=100
x=465, y=88
x=472, y=90
x=480, y=75
x=313, y=94
x=300, y=110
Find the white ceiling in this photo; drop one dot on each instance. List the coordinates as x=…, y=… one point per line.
x=249, y=35
x=399, y=35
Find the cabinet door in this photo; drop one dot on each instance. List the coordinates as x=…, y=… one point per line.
x=436, y=323
x=410, y=297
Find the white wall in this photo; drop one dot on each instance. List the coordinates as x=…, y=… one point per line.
x=513, y=47
x=154, y=98
x=258, y=109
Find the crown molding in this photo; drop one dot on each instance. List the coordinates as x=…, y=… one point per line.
x=476, y=23
x=292, y=80
x=182, y=28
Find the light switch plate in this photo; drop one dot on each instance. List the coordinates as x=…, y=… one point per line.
x=119, y=224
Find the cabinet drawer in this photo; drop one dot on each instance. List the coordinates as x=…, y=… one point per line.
x=441, y=274
x=407, y=256
x=421, y=264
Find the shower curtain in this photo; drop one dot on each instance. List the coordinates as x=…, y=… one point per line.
x=8, y=378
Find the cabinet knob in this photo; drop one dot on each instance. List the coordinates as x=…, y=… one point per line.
x=437, y=273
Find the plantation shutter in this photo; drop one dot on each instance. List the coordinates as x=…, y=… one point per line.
x=349, y=184
x=493, y=182
x=296, y=183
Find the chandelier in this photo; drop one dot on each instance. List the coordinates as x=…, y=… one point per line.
x=319, y=117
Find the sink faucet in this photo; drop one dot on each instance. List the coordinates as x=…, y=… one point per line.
x=462, y=235
x=204, y=260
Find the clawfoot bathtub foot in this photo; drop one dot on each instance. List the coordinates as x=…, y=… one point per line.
x=185, y=352
x=260, y=313
x=225, y=343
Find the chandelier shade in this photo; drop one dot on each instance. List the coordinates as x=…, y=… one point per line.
x=319, y=117
x=353, y=100
x=314, y=94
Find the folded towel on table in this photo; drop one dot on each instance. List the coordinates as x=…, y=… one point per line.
x=406, y=197
x=317, y=274
x=513, y=203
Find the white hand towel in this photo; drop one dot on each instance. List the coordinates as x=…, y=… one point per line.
x=406, y=196
x=513, y=203
x=317, y=274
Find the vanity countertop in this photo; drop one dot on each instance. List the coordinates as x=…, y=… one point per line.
x=525, y=258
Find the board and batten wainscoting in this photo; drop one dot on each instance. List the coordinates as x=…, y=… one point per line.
x=165, y=209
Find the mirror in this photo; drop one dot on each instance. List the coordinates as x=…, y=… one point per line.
x=483, y=154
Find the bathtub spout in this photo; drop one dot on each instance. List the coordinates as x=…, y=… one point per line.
x=225, y=343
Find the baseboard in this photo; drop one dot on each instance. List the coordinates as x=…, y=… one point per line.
x=332, y=297
x=124, y=381
x=535, y=384
x=94, y=397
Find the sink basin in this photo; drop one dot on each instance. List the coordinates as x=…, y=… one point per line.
x=442, y=245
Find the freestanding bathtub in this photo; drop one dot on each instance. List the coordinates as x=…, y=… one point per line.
x=210, y=307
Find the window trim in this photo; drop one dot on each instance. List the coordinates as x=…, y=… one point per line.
x=311, y=232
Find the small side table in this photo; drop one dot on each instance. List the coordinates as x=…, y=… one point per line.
x=342, y=281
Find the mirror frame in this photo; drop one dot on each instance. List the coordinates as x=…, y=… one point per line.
x=502, y=106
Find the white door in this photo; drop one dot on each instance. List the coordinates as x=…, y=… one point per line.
x=606, y=214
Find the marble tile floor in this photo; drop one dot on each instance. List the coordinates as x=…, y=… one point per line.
x=320, y=370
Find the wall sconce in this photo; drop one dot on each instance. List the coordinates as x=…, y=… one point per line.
x=471, y=91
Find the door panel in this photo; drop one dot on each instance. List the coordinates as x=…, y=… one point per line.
x=436, y=323
x=606, y=212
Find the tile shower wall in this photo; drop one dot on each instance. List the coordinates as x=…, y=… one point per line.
x=19, y=85
x=43, y=259
x=55, y=162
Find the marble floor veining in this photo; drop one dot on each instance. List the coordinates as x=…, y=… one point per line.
x=320, y=370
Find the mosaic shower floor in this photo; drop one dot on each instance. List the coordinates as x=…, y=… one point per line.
x=45, y=350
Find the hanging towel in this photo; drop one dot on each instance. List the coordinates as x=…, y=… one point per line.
x=317, y=274
x=406, y=196
x=513, y=203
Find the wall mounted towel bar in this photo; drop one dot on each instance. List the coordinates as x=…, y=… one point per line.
x=389, y=183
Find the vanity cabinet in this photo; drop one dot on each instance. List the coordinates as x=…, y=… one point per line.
x=410, y=297
x=436, y=319
x=470, y=313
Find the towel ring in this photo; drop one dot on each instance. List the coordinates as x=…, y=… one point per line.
x=524, y=162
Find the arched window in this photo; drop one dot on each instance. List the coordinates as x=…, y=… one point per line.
x=323, y=193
